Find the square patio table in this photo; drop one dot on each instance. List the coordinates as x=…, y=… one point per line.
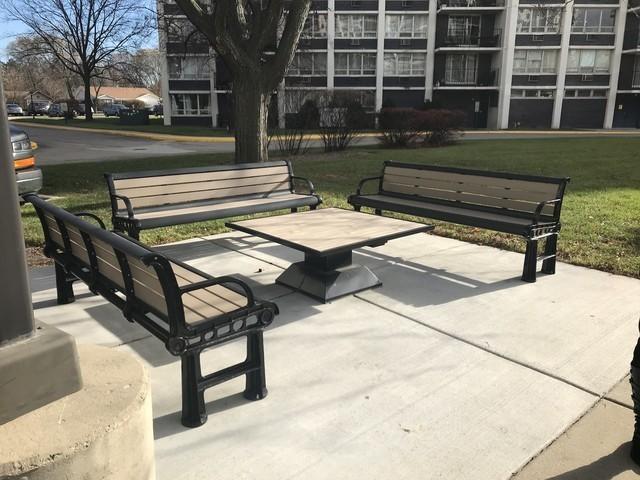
x=327, y=237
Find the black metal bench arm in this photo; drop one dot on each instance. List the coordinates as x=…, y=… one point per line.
x=541, y=205
x=220, y=281
x=310, y=186
x=92, y=216
x=127, y=203
x=365, y=180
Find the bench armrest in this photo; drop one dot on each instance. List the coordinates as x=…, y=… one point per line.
x=310, y=186
x=220, y=281
x=363, y=181
x=541, y=205
x=94, y=217
x=127, y=203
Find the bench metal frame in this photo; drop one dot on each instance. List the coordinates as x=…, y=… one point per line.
x=541, y=227
x=180, y=339
x=132, y=226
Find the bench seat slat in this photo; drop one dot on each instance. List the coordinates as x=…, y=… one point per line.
x=199, y=186
x=550, y=189
x=173, y=179
x=212, y=207
x=54, y=230
x=160, y=200
x=528, y=207
x=497, y=191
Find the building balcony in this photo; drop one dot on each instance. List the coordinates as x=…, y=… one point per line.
x=470, y=4
x=633, y=5
x=468, y=78
x=471, y=41
x=635, y=83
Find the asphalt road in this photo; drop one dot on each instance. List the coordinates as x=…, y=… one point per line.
x=58, y=146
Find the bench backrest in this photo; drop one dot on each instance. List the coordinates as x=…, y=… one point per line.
x=144, y=279
x=477, y=189
x=170, y=187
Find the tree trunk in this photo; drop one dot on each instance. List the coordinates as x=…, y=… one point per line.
x=250, y=116
x=88, y=114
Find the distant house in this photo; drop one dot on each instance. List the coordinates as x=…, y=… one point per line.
x=24, y=97
x=108, y=95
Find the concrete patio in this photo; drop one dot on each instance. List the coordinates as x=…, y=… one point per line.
x=453, y=369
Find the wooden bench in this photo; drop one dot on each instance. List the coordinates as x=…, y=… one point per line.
x=186, y=309
x=524, y=205
x=144, y=200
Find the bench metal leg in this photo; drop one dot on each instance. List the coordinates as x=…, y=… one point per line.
x=194, y=413
x=64, y=286
x=256, y=386
x=378, y=212
x=635, y=396
x=357, y=208
x=530, y=259
x=313, y=207
x=550, y=247
x=294, y=210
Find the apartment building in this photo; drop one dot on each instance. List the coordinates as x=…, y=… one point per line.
x=519, y=64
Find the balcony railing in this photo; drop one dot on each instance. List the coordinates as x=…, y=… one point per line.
x=635, y=83
x=469, y=77
x=467, y=40
x=471, y=3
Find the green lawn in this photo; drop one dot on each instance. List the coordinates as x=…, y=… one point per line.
x=601, y=213
x=112, y=123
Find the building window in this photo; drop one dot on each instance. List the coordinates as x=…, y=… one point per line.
x=397, y=64
x=357, y=64
x=315, y=26
x=461, y=69
x=190, y=104
x=307, y=63
x=464, y=30
x=532, y=93
x=189, y=68
x=588, y=61
x=585, y=93
x=406, y=26
x=534, y=61
x=356, y=26
x=181, y=30
x=538, y=20
x=593, y=20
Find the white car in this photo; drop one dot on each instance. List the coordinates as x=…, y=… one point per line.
x=13, y=109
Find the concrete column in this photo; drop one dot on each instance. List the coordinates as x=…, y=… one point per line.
x=431, y=48
x=562, y=64
x=380, y=53
x=621, y=19
x=331, y=34
x=164, y=69
x=506, y=67
x=16, y=321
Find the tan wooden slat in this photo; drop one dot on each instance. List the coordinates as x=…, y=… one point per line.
x=541, y=187
x=528, y=207
x=209, y=303
x=110, y=271
x=188, y=210
x=185, y=276
x=198, y=177
x=207, y=195
x=202, y=186
x=489, y=190
x=150, y=297
x=54, y=230
x=78, y=248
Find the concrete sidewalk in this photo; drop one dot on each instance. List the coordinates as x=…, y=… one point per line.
x=453, y=369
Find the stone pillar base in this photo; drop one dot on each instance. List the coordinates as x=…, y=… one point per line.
x=104, y=431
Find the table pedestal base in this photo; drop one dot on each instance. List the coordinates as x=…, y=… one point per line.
x=328, y=277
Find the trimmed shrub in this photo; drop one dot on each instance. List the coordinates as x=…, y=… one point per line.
x=441, y=127
x=400, y=126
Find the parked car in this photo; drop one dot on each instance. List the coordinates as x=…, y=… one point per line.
x=157, y=110
x=79, y=109
x=56, y=110
x=13, y=109
x=38, y=108
x=113, y=110
x=28, y=176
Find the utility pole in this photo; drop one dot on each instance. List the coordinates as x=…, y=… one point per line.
x=38, y=364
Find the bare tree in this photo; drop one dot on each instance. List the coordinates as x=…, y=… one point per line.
x=83, y=34
x=256, y=39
